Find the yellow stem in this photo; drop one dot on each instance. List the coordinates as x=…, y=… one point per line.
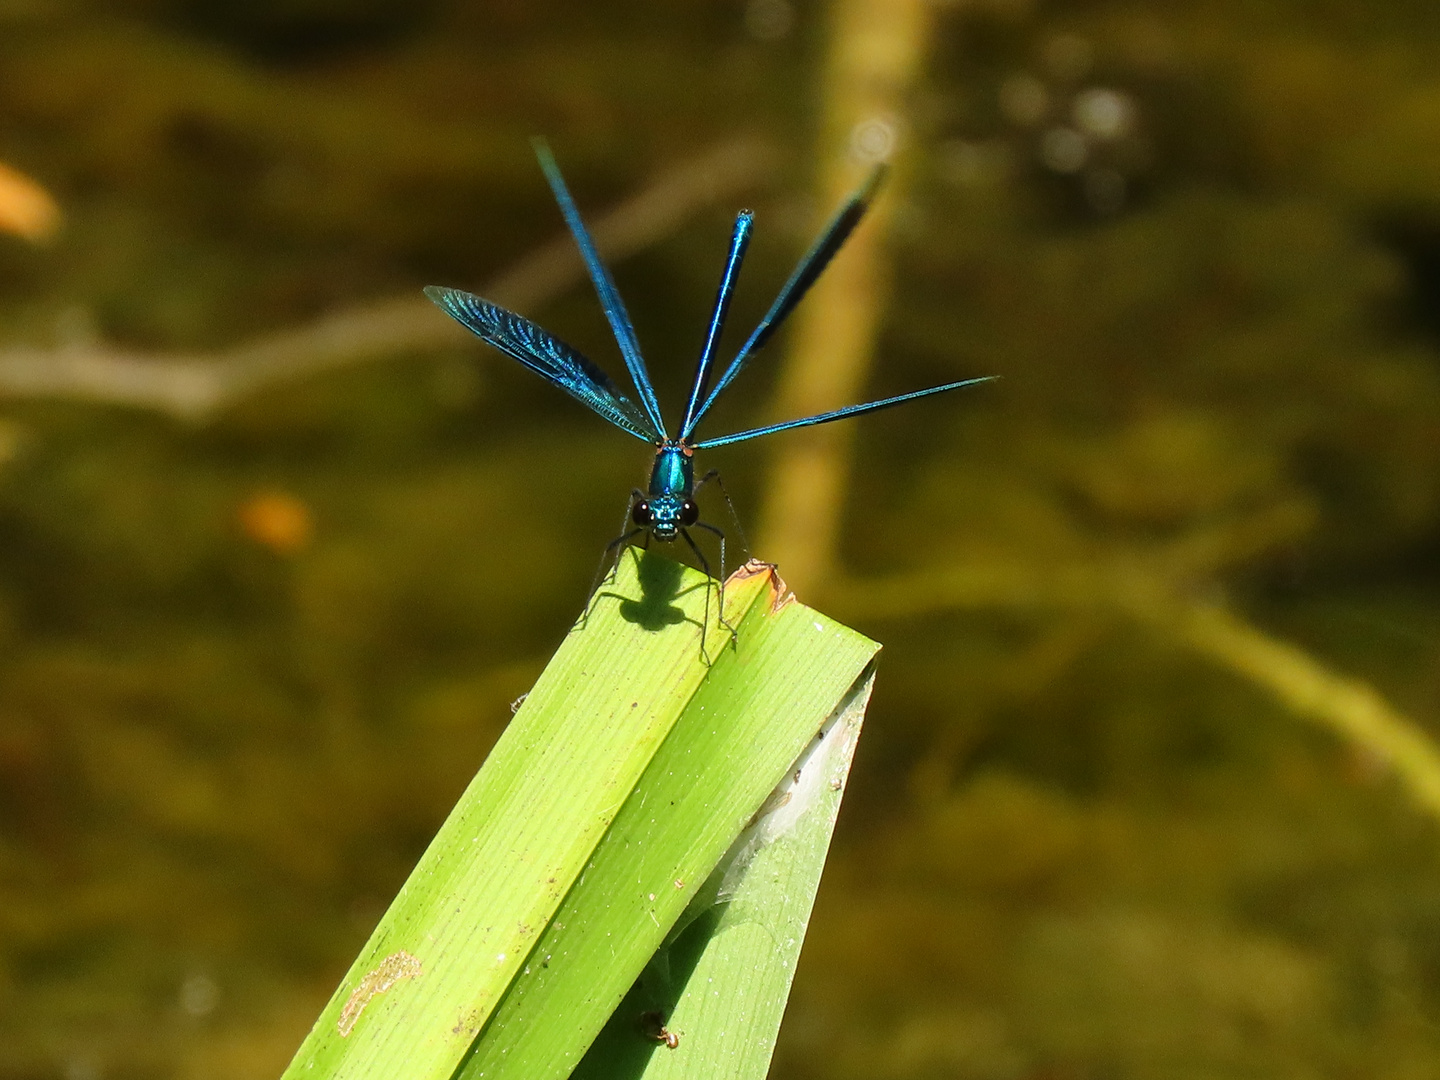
x=876, y=47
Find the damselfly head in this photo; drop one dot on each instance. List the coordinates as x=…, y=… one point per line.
x=665, y=515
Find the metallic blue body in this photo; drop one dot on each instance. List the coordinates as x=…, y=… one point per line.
x=667, y=508
x=672, y=486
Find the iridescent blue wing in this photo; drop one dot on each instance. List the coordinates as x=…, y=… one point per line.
x=838, y=414
x=604, y=286
x=806, y=271
x=739, y=241
x=548, y=357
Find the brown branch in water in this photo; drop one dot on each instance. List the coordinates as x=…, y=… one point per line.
x=194, y=386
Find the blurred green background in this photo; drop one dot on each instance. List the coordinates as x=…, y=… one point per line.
x=250, y=656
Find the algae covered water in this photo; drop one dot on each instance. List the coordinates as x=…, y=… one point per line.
x=1147, y=788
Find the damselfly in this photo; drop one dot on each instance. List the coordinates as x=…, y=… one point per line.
x=666, y=509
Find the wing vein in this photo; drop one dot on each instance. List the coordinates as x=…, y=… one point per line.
x=549, y=357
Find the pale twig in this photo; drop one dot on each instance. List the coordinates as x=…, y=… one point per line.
x=1348, y=707
x=1352, y=708
x=194, y=386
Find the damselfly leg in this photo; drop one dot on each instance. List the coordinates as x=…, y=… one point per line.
x=714, y=474
x=719, y=583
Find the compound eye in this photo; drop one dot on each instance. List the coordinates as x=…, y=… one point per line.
x=640, y=512
x=689, y=513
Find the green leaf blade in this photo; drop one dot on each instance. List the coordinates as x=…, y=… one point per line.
x=460, y=929
x=646, y=746
x=731, y=969
x=763, y=701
